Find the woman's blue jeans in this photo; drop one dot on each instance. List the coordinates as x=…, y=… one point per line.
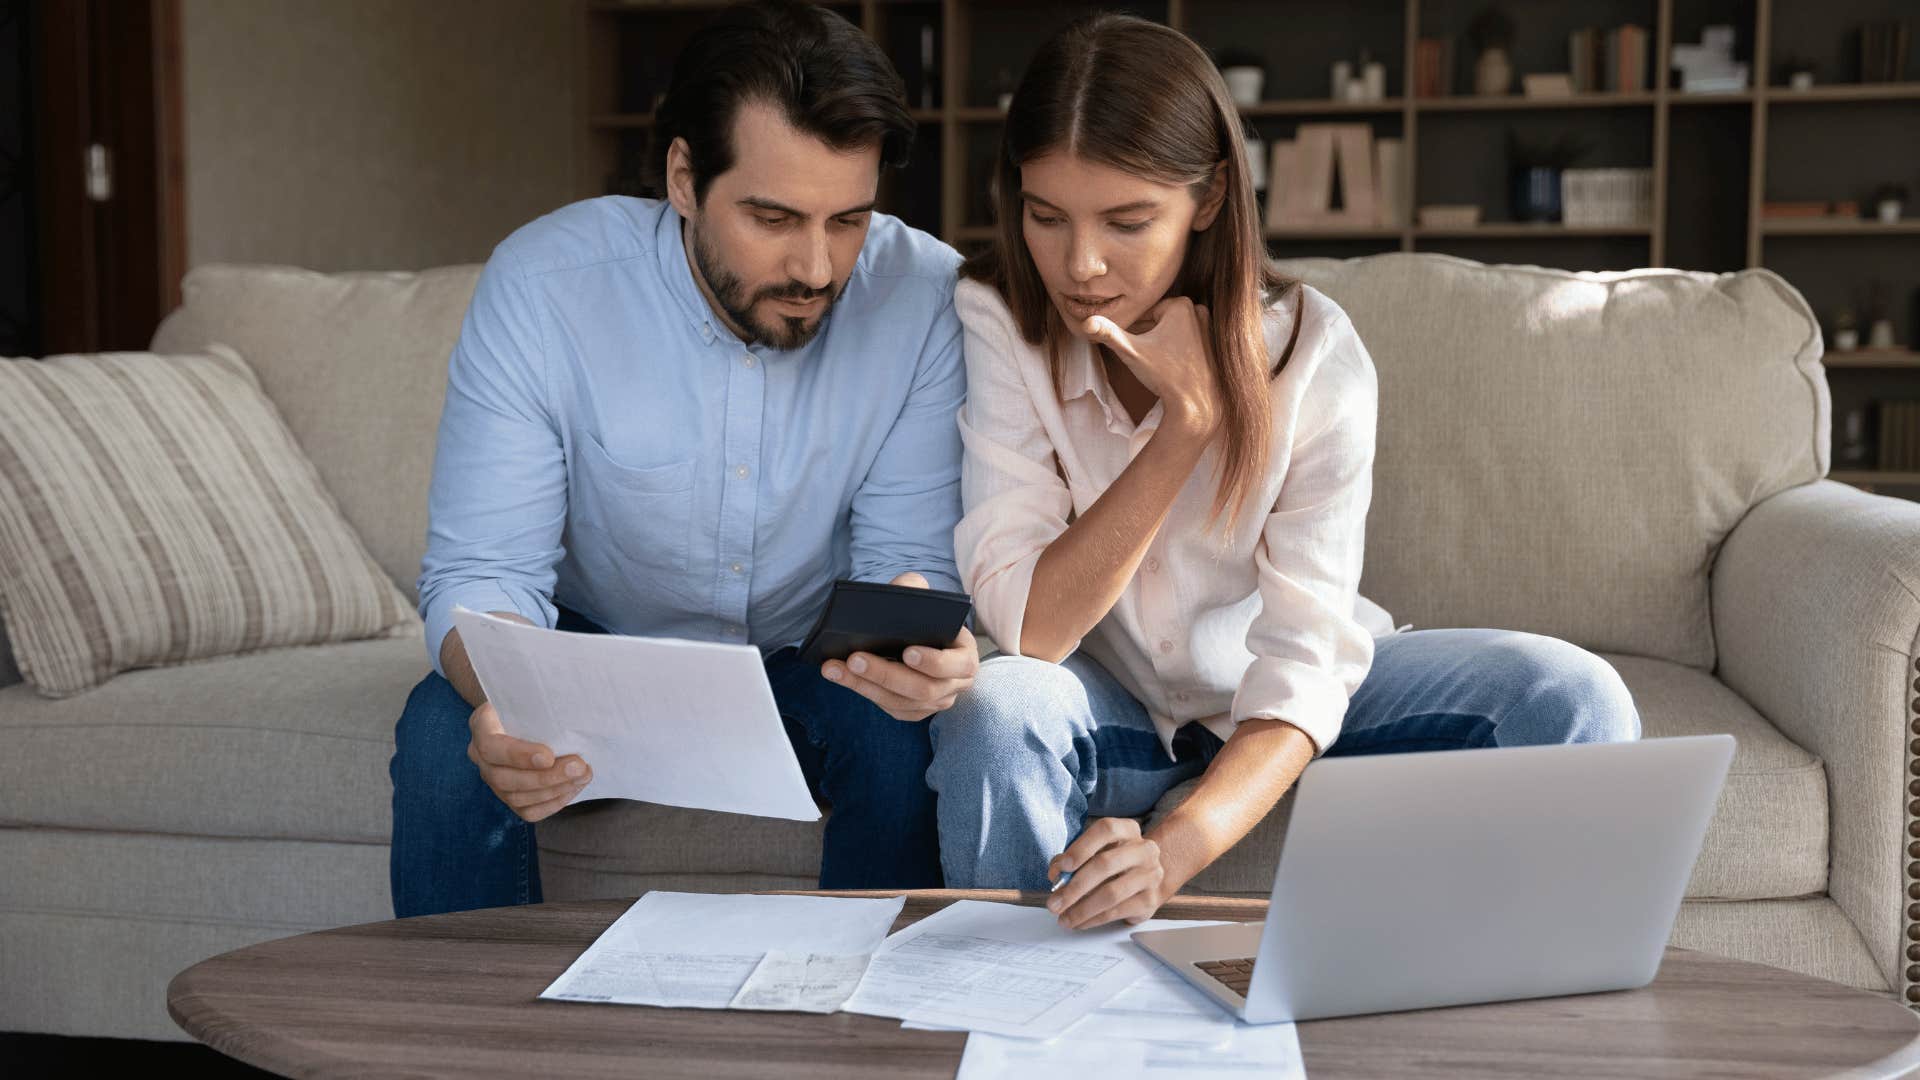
x=1026, y=757
x=456, y=846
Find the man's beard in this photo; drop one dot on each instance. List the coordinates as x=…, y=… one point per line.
x=783, y=332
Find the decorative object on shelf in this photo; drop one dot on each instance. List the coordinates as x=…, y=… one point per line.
x=1557, y=84
x=1853, y=440
x=1491, y=34
x=1709, y=67
x=1889, y=200
x=1373, y=78
x=1392, y=193
x=1607, y=197
x=1879, y=313
x=1256, y=162
x=1899, y=435
x=1339, y=78
x=1246, y=75
x=1794, y=71
x=1449, y=215
x=1301, y=183
x=1846, y=331
x=1883, y=51
x=1881, y=336
x=1432, y=68
x=1533, y=170
x=1003, y=87
x=1361, y=80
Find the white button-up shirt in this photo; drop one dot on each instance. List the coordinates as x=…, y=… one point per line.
x=1265, y=621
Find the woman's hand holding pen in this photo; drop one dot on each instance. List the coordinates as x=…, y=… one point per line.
x=1117, y=874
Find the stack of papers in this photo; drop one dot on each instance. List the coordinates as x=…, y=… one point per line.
x=699, y=951
x=1037, y=999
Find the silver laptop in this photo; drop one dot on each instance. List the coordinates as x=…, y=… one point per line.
x=1409, y=881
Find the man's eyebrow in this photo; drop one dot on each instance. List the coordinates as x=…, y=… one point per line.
x=759, y=203
x=1123, y=208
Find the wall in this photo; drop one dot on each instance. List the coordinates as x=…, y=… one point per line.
x=373, y=134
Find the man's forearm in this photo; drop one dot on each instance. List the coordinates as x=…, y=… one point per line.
x=459, y=669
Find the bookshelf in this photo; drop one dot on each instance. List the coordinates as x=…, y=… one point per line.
x=1716, y=158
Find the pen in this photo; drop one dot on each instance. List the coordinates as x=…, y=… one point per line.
x=1065, y=876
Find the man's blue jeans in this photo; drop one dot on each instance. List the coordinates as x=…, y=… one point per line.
x=1034, y=750
x=456, y=846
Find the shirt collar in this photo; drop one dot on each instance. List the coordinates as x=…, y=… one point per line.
x=1081, y=375
x=677, y=271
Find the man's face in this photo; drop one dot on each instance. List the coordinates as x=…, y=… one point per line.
x=777, y=235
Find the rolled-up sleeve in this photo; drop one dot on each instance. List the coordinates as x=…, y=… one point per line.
x=1016, y=501
x=1309, y=652
x=498, y=501
x=904, y=512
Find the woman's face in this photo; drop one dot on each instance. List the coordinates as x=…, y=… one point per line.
x=1106, y=242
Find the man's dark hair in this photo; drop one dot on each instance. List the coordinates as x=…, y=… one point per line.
x=822, y=72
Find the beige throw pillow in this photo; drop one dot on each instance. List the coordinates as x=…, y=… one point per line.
x=155, y=510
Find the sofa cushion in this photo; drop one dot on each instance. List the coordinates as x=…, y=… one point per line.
x=288, y=743
x=357, y=363
x=1767, y=838
x=1564, y=452
x=155, y=509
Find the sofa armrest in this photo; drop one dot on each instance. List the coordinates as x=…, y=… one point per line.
x=1816, y=608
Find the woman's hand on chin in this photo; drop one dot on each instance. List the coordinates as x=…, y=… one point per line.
x=1168, y=350
x=1117, y=874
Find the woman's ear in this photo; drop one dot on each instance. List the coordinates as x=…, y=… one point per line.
x=1216, y=196
x=680, y=179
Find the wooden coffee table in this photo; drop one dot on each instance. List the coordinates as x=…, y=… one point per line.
x=456, y=995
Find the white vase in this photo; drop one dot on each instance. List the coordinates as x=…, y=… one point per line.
x=1890, y=211
x=1245, y=84
x=1493, y=73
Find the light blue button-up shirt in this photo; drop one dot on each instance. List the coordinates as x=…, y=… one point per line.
x=608, y=444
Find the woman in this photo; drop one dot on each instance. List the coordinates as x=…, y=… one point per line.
x=1168, y=465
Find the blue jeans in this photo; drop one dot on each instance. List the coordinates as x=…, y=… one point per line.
x=1034, y=750
x=456, y=846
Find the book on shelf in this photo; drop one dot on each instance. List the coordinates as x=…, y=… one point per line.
x=1899, y=435
x=1883, y=51
x=1610, y=61
x=1433, y=68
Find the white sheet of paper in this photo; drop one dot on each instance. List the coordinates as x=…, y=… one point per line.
x=1271, y=1051
x=1158, y=1006
x=697, y=950
x=801, y=982
x=684, y=723
x=1002, y=968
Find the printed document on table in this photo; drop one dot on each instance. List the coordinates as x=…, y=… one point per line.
x=698, y=950
x=1270, y=1051
x=684, y=723
x=1002, y=968
x=1160, y=1006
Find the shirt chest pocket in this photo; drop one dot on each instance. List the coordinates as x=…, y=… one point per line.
x=643, y=514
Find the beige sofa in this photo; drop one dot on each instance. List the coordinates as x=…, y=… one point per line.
x=1629, y=461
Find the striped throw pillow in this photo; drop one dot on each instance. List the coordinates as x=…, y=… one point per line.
x=156, y=510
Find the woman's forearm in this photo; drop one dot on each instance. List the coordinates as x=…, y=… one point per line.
x=1082, y=573
x=1242, y=783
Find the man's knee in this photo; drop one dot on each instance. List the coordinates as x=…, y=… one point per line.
x=1570, y=695
x=433, y=728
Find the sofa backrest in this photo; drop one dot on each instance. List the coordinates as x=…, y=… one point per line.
x=1564, y=452
x=1558, y=452
x=357, y=364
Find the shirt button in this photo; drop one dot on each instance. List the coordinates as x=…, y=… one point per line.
x=1180, y=695
x=1166, y=646
x=741, y=472
x=737, y=568
x=1153, y=565
x=732, y=630
x=747, y=359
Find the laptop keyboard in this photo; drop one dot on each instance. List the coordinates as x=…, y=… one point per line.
x=1235, y=975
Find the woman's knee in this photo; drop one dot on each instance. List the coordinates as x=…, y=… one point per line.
x=1568, y=695
x=1017, y=706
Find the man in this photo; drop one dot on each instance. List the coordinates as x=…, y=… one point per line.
x=687, y=418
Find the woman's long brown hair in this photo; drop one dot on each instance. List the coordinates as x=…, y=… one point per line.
x=1145, y=99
